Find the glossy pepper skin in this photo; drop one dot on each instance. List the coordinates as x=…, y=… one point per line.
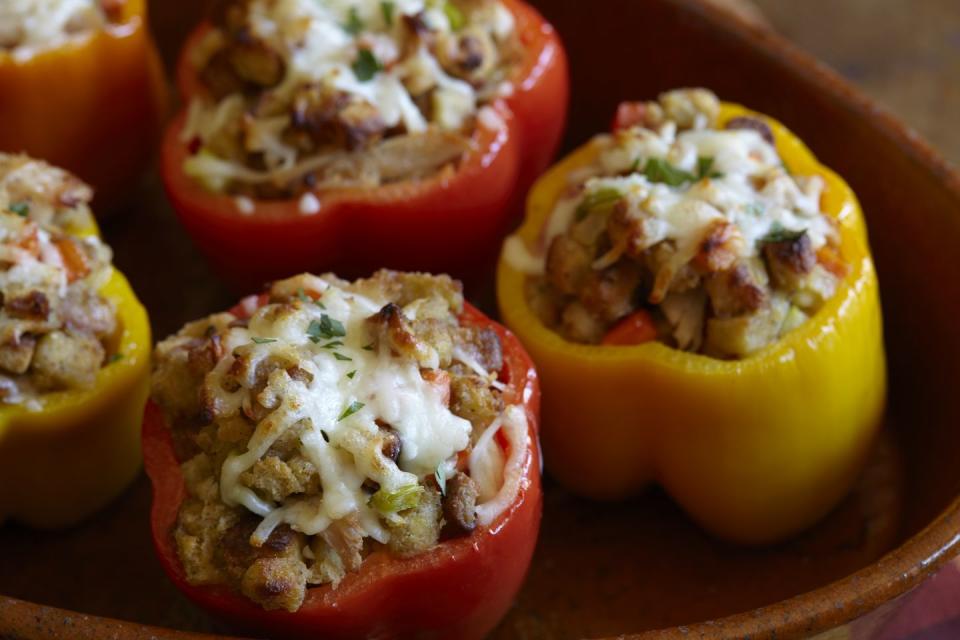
x=77, y=450
x=755, y=449
x=459, y=589
x=94, y=105
x=444, y=223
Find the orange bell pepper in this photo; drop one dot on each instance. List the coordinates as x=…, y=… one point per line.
x=753, y=449
x=93, y=105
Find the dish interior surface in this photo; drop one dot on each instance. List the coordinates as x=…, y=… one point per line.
x=603, y=569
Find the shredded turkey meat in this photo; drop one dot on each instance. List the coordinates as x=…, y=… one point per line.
x=56, y=329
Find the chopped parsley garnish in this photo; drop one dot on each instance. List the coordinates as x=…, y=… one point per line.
x=22, y=209
x=263, y=340
x=366, y=65
x=704, y=168
x=352, y=409
x=115, y=358
x=368, y=347
x=387, y=9
x=302, y=296
x=779, y=233
x=326, y=329
x=441, y=477
x=659, y=170
x=333, y=345
x=351, y=374
x=454, y=16
x=354, y=24
x=341, y=357
x=596, y=200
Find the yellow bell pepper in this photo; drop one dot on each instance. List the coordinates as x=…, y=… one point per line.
x=75, y=451
x=93, y=105
x=755, y=449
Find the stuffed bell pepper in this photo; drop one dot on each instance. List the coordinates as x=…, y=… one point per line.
x=698, y=294
x=74, y=353
x=346, y=460
x=361, y=135
x=82, y=87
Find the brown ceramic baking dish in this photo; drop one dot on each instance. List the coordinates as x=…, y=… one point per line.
x=638, y=567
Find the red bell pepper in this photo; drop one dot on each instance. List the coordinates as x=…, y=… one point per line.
x=460, y=589
x=445, y=223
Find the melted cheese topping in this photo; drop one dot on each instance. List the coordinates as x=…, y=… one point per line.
x=30, y=25
x=320, y=43
x=749, y=188
x=348, y=388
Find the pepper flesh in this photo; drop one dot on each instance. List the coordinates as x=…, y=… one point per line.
x=460, y=589
x=754, y=450
x=449, y=223
x=93, y=105
x=78, y=449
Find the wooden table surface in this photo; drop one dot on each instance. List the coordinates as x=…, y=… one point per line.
x=904, y=54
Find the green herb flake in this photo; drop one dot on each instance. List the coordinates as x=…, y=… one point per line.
x=351, y=374
x=387, y=9
x=341, y=357
x=441, y=477
x=705, y=168
x=333, y=345
x=22, y=209
x=366, y=65
x=405, y=497
x=354, y=24
x=755, y=209
x=263, y=340
x=602, y=198
x=117, y=357
x=779, y=233
x=349, y=411
x=302, y=296
x=454, y=16
x=635, y=166
x=368, y=347
x=659, y=170
x=326, y=328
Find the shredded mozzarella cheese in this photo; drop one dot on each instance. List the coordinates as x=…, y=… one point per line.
x=320, y=44
x=27, y=26
x=351, y=388
x=741, y=160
